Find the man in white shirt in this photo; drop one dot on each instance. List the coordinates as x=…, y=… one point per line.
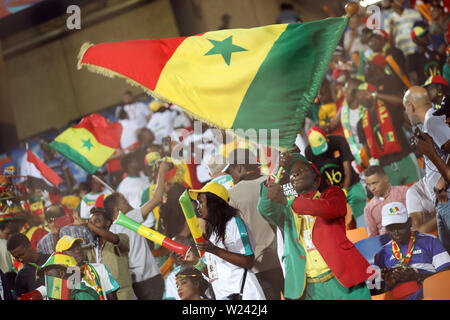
x=421, y=208
x=134, y=183
x=162, y=121
x=137, y=111
x=148, y=283
x=129, y=138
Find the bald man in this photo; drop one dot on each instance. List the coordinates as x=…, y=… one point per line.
x=418, y=107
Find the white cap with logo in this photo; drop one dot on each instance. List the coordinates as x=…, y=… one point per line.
x=394, y=212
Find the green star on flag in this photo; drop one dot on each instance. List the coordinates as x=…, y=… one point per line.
x=87, y=144
x=225, y=48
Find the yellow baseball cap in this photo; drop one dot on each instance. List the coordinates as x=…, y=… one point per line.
x=57, y=259
x=214, y=188
x=156, y=105
x=65, y=243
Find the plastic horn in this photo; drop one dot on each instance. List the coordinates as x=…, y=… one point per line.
x=425, y=11
x=151, y=234
x=167, y=267
x=191, y=219
x=278, y=177
x=390, y=60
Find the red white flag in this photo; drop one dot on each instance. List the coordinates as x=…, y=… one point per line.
x=36, y=168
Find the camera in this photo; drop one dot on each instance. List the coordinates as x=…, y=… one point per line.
x=417, y=134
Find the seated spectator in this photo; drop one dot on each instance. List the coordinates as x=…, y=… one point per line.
x=48, y=242
x=94, y=275
x=410, y=257
x=228, y=250
x=111, y=250
x=383, y=192
x=421, y=208
x=424, y=62
x=20, y=248
x=191, y=284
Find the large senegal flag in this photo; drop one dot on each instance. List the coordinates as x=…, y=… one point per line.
x=257, y=78
x=90, y=143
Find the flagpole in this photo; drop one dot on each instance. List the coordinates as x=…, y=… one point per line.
x=103, y=183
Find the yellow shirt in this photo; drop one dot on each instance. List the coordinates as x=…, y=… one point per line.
x=315, y=265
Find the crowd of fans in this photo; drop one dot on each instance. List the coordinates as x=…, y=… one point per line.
x=372, y=153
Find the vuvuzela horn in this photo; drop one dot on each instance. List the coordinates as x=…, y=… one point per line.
x=191, y=219
x=151, y=234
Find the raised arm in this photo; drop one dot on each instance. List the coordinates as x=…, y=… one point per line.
x=158, y=195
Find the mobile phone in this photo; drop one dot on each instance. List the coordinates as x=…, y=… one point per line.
x=63, y=221
x=165, y=144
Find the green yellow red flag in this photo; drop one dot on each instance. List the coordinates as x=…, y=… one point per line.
x=90, y=143
x=256, y=78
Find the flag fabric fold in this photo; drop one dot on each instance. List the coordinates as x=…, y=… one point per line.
x=90, y=143
x=257, y=78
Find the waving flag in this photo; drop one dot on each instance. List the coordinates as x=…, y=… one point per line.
x=257, y=78
x=39, y=175
x=90, y=143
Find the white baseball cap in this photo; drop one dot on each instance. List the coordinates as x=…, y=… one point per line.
x=394, y=212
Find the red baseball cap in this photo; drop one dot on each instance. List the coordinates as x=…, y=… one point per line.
x=435, y=79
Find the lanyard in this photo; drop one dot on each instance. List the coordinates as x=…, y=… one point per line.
x=404, y=261
x=93, y=276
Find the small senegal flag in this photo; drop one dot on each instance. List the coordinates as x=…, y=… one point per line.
x=90, y=143
x=57, y=288
x=394, y=209
x=257, y=78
